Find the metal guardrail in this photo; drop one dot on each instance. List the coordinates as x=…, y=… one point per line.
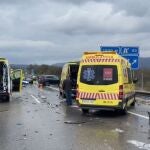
x=141, y=92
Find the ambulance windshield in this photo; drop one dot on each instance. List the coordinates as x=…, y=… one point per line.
x=99, y=74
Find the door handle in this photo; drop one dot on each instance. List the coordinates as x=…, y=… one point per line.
x=101, y=91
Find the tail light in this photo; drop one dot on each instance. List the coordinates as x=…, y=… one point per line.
x=77, y=91
x=121, y=92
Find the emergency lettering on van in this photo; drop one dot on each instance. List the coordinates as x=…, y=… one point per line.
x=104, y=80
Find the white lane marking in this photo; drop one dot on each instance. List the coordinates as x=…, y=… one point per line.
x=140, y=145
x=35, y=99
x=53, y=88
x=75, y=106
x=145, y=117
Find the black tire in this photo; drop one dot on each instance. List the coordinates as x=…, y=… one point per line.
x=124, y=110
x=133, y=103
x=6, y=98
x=85, y=111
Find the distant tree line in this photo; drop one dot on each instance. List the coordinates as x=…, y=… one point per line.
x=143, y=75
x=44, y=70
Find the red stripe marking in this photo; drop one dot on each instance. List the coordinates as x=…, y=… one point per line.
x=98, y=95
x=80, y=94
x=88, y=94
x=111, y=97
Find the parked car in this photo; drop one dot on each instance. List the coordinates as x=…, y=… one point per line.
x=24, y=83
x=47, y=80
x=27, y=81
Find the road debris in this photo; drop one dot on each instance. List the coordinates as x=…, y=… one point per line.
x=19, y=124
x=4, y=110
x=34, y=103
x=25, y=134
x=58, y=112
x=74, y=122
x=118, y=130
x=43, y=97
x=36, y=131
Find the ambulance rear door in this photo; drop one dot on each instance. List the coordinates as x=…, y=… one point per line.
x=16, y=76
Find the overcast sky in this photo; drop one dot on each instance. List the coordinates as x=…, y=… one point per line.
x=51, y=31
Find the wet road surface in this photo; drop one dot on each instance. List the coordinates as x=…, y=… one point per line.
x=39, y=120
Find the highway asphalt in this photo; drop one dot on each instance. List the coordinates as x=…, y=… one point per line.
x=37, y=119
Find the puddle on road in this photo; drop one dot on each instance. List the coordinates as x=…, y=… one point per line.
x=140, y=145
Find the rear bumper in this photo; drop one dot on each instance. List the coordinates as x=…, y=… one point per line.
x=100, y=107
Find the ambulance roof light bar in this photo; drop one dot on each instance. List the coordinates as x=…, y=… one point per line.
x=99, y=53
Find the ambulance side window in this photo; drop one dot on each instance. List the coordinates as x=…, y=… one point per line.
x=129, y=75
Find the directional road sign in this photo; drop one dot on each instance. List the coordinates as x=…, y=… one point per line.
x=134, y=61
x=128, y=52
x=110, y=48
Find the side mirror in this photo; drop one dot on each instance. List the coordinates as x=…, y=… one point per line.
x=135, y=80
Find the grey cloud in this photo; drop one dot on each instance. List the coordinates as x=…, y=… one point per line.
x=132, y=7
x=47, y=31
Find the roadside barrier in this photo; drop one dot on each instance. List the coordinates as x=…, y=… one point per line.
x=138, y=92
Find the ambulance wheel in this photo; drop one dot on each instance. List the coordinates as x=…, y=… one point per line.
x=124, y=110
x=6, y=98
x=133, y=103
x=85, y=111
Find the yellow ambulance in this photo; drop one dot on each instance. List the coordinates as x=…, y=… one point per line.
x=105, y=81
x=69, y=69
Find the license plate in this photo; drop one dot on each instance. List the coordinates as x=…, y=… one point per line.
x=88, y=101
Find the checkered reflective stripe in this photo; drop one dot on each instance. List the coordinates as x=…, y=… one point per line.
x=108, y=96
x=3, y=77
x=100, y=60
